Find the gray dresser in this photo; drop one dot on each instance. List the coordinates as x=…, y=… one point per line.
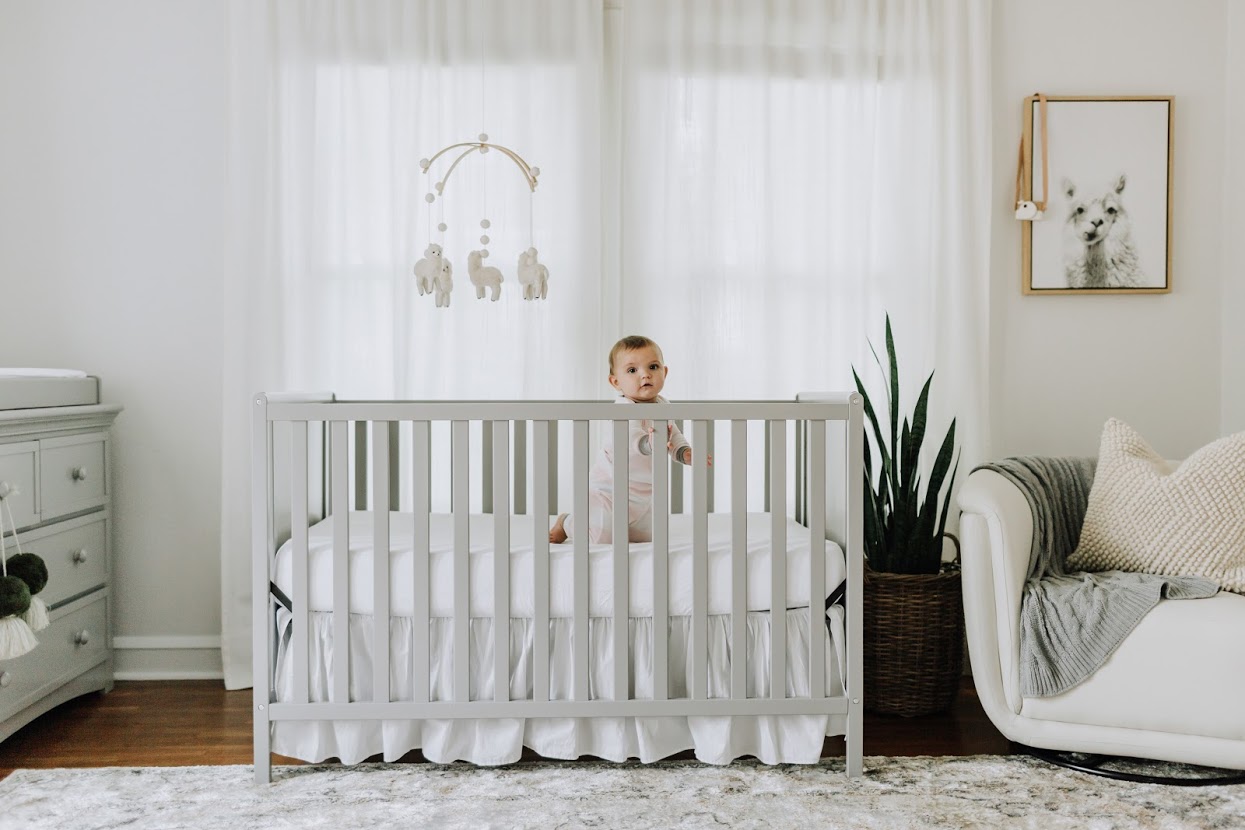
x=55, y=448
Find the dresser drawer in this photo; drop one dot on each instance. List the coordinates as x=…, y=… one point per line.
x=75, y=557
x=17, y=470
x=72, y=475
x=69, y=646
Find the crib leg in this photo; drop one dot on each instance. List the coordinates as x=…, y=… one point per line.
x=263, y=746
x=855, y=738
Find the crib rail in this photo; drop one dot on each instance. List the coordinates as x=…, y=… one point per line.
x=316, y=457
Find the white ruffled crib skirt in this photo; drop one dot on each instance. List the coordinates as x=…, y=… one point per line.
x=774, y=739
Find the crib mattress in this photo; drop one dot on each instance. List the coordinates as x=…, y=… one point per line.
x=561, y=567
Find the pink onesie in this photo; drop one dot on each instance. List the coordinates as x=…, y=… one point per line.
x=640, y=442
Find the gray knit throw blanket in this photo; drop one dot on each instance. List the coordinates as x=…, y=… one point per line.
x=1070, y=623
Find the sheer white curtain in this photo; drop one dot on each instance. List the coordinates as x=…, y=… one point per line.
x=792, y=171
x=752, y=184
x=333, y=103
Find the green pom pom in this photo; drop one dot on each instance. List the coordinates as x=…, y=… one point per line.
x=14, y=596
x=29, y=568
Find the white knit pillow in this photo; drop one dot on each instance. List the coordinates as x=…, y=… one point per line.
x=1145, y=517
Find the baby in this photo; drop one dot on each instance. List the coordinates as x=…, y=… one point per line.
x=638, y=373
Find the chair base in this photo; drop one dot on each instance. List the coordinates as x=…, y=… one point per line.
x=1122, y=768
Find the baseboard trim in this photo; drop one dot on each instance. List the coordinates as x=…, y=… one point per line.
x=121, y=676
x=162, y=642
x=167, y=658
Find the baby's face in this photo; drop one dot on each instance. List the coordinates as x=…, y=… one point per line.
x=639, y=374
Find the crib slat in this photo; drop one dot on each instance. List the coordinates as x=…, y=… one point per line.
x=501, y=561
x=801, y=470
x=520, y=467
x=708, y=453
x=553, y=466
x=380, y=561
x=298, y=537
x=486, y=464
x=462, y=545
x=341, y=572
x=778, y=559
x=540, y=559
x=700, y=562
x=622, y=599
x=739, y=559
x=676, y=482
x=817, y=558
x=360, y=465
x=579, y=461
x=421, y=496
x=661, y=573
x=395, y=469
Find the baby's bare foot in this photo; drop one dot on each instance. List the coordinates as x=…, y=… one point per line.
x=557, y=534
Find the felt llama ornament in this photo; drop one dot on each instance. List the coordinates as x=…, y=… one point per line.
x=533, y=276
x=426, y=269
x=21, y=577
x=444, y=284
x=483, y=276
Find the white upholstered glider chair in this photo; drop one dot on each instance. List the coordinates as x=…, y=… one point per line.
x=1173, y=690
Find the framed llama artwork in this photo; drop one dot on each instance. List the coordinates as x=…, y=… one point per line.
x=1106, y=224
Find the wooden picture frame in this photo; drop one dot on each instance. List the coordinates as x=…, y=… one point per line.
x=1110, y=164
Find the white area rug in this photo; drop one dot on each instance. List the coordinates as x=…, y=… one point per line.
x=982, y=791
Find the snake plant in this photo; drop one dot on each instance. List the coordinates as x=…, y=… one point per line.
x=903, y=525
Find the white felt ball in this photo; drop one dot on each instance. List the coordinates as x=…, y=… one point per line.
x=484, y=253
x=430, y=198
x=484, y=240
x=440, y=186
x=484, y=223
x=535, y=171
x=423, y=164
x=484, y=136
x=442, y=227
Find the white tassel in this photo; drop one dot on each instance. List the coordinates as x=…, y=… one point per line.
x=16, y=638
x=36, y=615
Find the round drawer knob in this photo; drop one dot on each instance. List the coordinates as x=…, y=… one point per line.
x=79, y=556
x=5, y=678
x=81, y=638
x=79, y=473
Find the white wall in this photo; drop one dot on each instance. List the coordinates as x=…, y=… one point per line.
x=111, y=170
x=1233, y=316
x=111, y=240
x=1062, y=365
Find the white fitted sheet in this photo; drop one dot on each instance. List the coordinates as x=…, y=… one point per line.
x=561, y=567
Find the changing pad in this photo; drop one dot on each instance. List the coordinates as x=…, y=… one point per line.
x=39, y=388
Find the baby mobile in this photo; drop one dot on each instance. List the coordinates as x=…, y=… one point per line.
x=23, y=575
x=434, y=274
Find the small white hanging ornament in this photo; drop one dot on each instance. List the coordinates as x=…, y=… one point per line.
x=444, y=284
x=533, y=276
x=483, y=276
x=443, y=227
x=427, y=269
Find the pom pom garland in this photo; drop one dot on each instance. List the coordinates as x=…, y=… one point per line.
x=30, y=569
x=20, y=613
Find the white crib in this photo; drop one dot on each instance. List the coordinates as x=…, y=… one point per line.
x=441, y=486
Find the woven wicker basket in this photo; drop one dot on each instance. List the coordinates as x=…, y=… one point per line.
x=913, y=642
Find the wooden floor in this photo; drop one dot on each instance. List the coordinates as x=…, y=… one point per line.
x=193, y=722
